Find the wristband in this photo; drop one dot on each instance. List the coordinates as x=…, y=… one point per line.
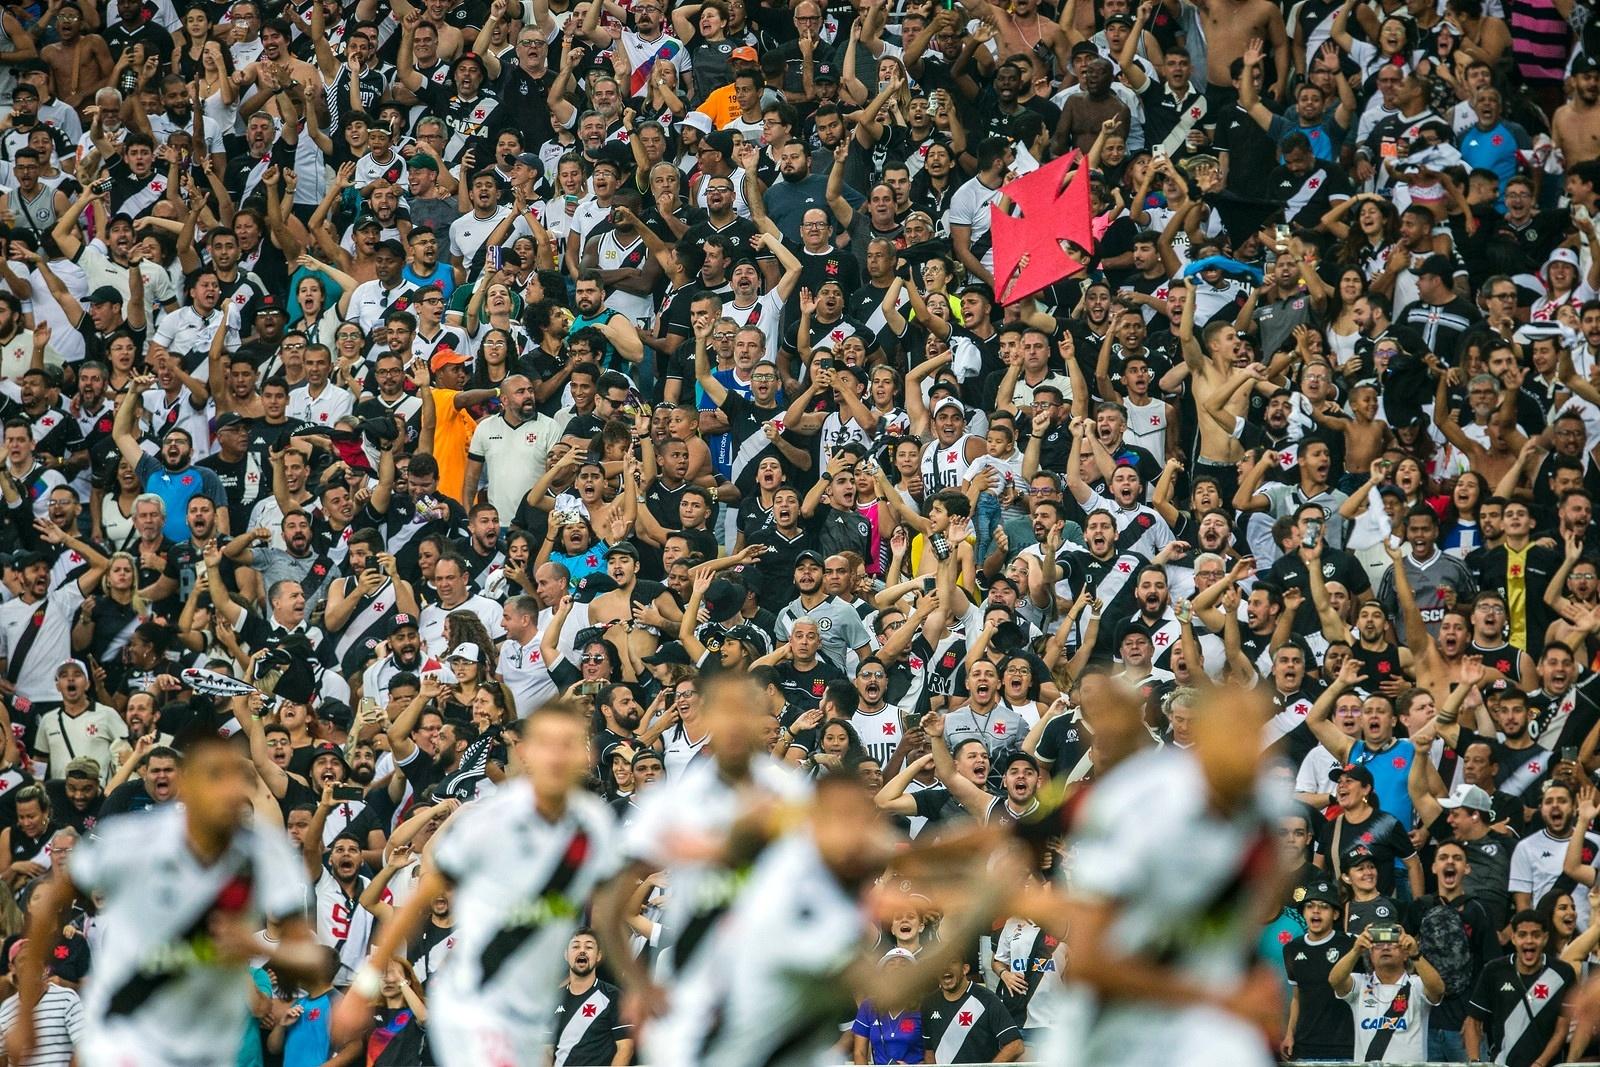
x=367, y=982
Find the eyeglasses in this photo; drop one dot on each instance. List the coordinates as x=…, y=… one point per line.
x=684, y=694
x=871, y=674
x=763, y=377
x=725, y=335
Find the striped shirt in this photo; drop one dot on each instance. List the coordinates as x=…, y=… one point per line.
x=58, y=1024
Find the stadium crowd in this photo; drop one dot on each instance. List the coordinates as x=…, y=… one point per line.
x=387, y=387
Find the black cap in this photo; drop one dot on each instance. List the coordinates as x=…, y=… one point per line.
x=267, y=303
x=623, y=548
x=1019, y=756
x=231, y=418
x=671, y=652
x=1120, y=20
x=1320, y=890
x=808, y=554
x=1585, y=64
x=1356, y=771
x=721, y=141
x=1133, y=627
x=403, y=621
x=724, y=599
x=366, y=220
x=1354, y=857
x=825, y=72
x=749, y=636
x=107, y=294
x=23, y=560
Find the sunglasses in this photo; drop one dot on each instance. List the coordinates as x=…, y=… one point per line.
x=594, y=658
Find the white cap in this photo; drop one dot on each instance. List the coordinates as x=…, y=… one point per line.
x=700, y=121
x=1468, y=796
x=949, y=402
x=466, y=650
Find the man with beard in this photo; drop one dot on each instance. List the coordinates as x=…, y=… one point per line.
x=797, y=191
x=481, y=547
x=588, y=1030
x=876, y=721
x=620, y=715
x=76, y=796
x=364, y=605
x=1019, y=774
x=177, y=116
x=341, y=923
x=1100, y=568
x=401, y=658
x=619, y=254
x=1575, y=126
x=512, y=447
x=839, y=624
x=1377, y=739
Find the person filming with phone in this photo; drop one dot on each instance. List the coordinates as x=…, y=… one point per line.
x=1390, y=996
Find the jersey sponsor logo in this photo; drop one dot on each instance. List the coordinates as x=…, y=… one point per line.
x=1384, y=1023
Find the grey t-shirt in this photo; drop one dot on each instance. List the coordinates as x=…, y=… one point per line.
x=839, y=624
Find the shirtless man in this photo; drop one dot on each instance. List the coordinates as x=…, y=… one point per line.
x=1024, y=30
x=274, y=71
x=1576, y=125
x=1230, y=26
x=79, y=63
x=634, y=605
x=1218, y=393
x=1438, y=664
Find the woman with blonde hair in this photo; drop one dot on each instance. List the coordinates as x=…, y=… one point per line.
x=105, y=622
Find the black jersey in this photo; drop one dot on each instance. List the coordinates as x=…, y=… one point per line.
x=1323, y=1030
x=588, y=1026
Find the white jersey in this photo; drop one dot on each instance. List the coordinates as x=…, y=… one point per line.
x=1536, y=864
x=793, y=930
x=521, y=884
x=1164, y=870
x=880, y=732
x=1402, y=1036
x=698, y=803
x=343, y=924
x=153, y=993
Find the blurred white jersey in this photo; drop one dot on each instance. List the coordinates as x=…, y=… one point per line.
x=157, y=994
x=1181, y=879
x=792, y=931
x=521, y=885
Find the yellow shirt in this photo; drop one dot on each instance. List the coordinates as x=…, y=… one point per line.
x=452, y=433
x=1517, y=594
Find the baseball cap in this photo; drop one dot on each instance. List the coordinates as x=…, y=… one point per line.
x=422, y=161
x=402, y=621
x=70, y=664
x=1586, y=64
x=623, y=548
x=1468, y=796
x=825, y=73
x=1321, y=890
x=231, y=418
x=1357, y=771
x=809, y=554
x=748, y=636
x=745, y=54
x=1120, y=20
x=721, y=141
x=1018, y=756
x=106, y=294
x=1084, y=48
x=948, y=402
x=446, y=357
x=465, y=650
x=83, y=767
x=724, y=599
x=393, y=247
x=366, y=220
x=1358, y=855
x=528, y=159
x=896, y=954
x=328, y=748
x=464, y=57
x=267, y=303
x=671, y=652
x=700, y=121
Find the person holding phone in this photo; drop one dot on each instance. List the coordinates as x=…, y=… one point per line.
x=1391, y=997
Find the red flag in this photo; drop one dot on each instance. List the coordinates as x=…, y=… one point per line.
x=1032, y=252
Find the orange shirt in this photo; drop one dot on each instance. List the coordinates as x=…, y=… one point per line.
x=721, y=106
x=452, y=433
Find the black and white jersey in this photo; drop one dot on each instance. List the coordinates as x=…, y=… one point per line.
x=973, y=1028
x=698, y=803
x=588, y=1026
x=1519, y=1012
x=520, y=886
x=794, y=930
x=156, y=986
x=1180, y=877
x=880, y=731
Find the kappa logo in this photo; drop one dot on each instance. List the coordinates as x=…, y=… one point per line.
x=1299, y=957
x=1505, y=987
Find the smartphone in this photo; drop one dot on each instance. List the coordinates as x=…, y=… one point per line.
x=1158, y=153
x=493, y=258
x=103, y=186
x=824, y=362
x=349, y=792
x=1283, y=237
x=1569, y=753
x=1580, y=213
x=366, y=708
x=1310, y=532
x=589, y=689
